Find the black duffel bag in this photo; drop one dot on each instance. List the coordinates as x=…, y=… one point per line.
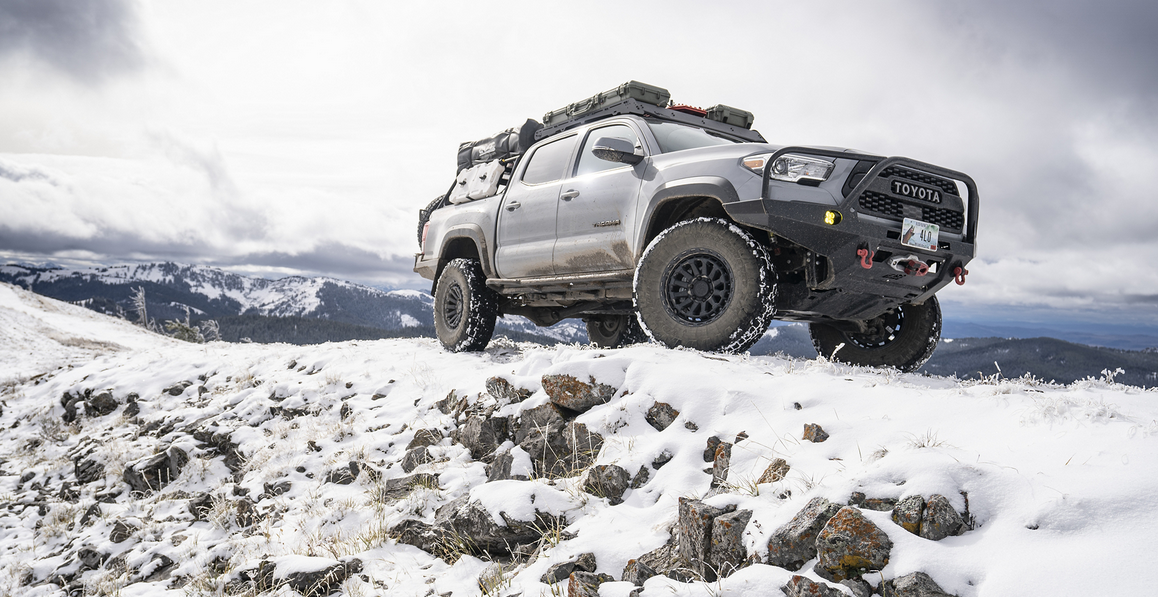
x=507, y=144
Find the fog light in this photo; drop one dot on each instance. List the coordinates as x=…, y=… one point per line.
x=832, y=218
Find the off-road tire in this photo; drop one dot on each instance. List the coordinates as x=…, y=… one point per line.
x=705, y=284
x=909, y=336
x=464, y=308
x=613, y=331
x=424, y=215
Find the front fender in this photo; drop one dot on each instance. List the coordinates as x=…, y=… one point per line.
x=715, y=187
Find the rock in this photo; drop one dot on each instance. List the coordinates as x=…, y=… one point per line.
x=727, y=553
x=482, y=435
x=122, y=531
x=427, y=537
x=850, y=545
x=583, y=445
x=451, y=405
x=609, y=481
x=474, y=524
x=178, y=388
x=425, y=437
x=642, y=476
x=917, y=584
x=88, y=470
x=798, y=586
x=661, y=415
x=586, y=584
x=93, y=511
x=907, y=513
x=858, y=586
x=200, y=506
x=344, y=475
x=710, y=450
x=859, y=500
x=940, y=519
x=558, y=573
x=245, y=512
x=776, y=471
x=415, y=457
x=663, y=558
x=541, y=433
x=637, y=572
x=814, y=433
x=695, y=534
x=276, y=489
x=568, y=392
x=795, y=543
x=156, y=471
x=402, y=486
x=663, y=458
x=70, y=402
x=90, y=559
x=322, y=582
x=100, y=405
x=720, y=464
x=502, y=389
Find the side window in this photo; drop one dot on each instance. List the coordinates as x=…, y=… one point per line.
x=588, y=163
x=549, y=161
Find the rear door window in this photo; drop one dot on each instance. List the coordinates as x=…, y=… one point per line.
x=549, y=162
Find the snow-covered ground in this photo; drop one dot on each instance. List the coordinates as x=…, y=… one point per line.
x=1062, y=481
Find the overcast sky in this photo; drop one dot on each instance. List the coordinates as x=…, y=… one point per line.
x=288, y=137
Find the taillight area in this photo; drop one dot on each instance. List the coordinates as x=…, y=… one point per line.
x=425, y=229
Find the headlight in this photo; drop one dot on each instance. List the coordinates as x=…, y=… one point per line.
x=791, y=167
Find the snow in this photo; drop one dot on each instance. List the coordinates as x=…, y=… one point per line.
x=1062, y=480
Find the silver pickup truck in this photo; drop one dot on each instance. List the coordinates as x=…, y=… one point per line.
x=656, y=221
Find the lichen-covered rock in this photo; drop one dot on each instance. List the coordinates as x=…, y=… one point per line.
x=586, y=584
x=451, y=405
x=502, y=389
x=156, y=471
x=425, y=437
x=414, y=458
x=917, y=584
x=814, y=433
x=609, y=481
x=777, y=470
x=482, y=435
x=850, y=545
x=710, y=449
x=940, y=519
x=695, y=534
x=795, y=543
x=721, y=463
x=859, y=500
x=907, y=513
x=558, y=573
x=568, y=392
x=798, y=586
x=661, y=415
x=637, y=572
x=858, y=586
x=424, y=536
x=727, y=553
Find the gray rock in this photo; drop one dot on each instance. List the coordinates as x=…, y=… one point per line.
x=100, y=405
x=798, y=586
x=178, y=388
x=583, y=445
x=452, y=404
x=392, y=489
x=940, y=519
x=858, y=586
x=917, y=584
x=642, y=476
x=245, y=512
x=416, y=457
x=695, y=534
x=475, y=526
x=721, y=463
x=850, y=545
x=344, y=475
x=663, y=458
x=710, y=450
x=93, y=512
x=907, y=513
x=814, y=433
x=200, y=506
x=586, y=584
x=87, y=470
x=727, y=553
x=156, y=471
x=777, y=470
x=502, y=389
x=637, y=572
x=425, y=437
x=663, y=558
x=609, y=481
x=859, y=500
x=482, y=435
x=500, y=469
x=570, y=393
x=325, y=581
x=122, y=531
x=795, y=543
x=424, y=536
x=661, y=415
x=90, y=559
x=558, y=573
x=542, y=434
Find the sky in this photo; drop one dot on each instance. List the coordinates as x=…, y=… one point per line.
x=286, y=137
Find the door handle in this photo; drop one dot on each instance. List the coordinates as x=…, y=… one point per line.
x=513, y=205
x=569, y=195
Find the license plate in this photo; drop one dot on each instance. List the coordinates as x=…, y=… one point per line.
x=920, y=235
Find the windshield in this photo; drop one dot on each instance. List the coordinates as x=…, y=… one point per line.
x=678, y=137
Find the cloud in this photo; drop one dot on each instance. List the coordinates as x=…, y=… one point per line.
x=89, y=40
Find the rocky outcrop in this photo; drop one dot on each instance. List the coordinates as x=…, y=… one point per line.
x=799, y=586
x=661, y=415
x=156, y=471
x=727, y=552
x=916, y=584
x=776, y=471
x=570, y=393
x=850, y=545
x=795, y=543
x=609, y=481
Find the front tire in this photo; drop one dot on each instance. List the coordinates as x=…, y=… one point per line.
x=705, y=284
x=464, y=308
x=904, y=337
x=614, y=331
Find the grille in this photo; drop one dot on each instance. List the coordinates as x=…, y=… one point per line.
x=946, y=186
x=881, y=204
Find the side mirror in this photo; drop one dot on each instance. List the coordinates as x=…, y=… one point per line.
x=614, y=149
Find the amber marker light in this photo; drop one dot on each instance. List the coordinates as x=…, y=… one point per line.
x=832, y=218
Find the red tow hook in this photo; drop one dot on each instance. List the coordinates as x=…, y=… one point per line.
x=914, y=267
x=866, y=258
x=959, y=274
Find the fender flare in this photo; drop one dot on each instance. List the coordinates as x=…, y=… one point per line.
x=473, y=233
x=714, y=187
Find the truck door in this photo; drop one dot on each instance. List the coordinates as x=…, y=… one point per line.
x=525, y=237
x=597, y=209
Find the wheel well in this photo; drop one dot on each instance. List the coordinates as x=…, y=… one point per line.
x=454, y=249
x=674, y=211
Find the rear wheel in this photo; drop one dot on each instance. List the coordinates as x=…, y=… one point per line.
x=705, y=284
x=464, y=308
x=613, y=331
x=904, y=337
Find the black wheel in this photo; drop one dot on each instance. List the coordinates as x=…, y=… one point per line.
x=464, y=308
x=705, y=284
x=904, y=337
x=613, y=331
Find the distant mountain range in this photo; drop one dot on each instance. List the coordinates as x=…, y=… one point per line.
x=300, y=310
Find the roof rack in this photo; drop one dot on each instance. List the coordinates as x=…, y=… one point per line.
x=632, y=106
